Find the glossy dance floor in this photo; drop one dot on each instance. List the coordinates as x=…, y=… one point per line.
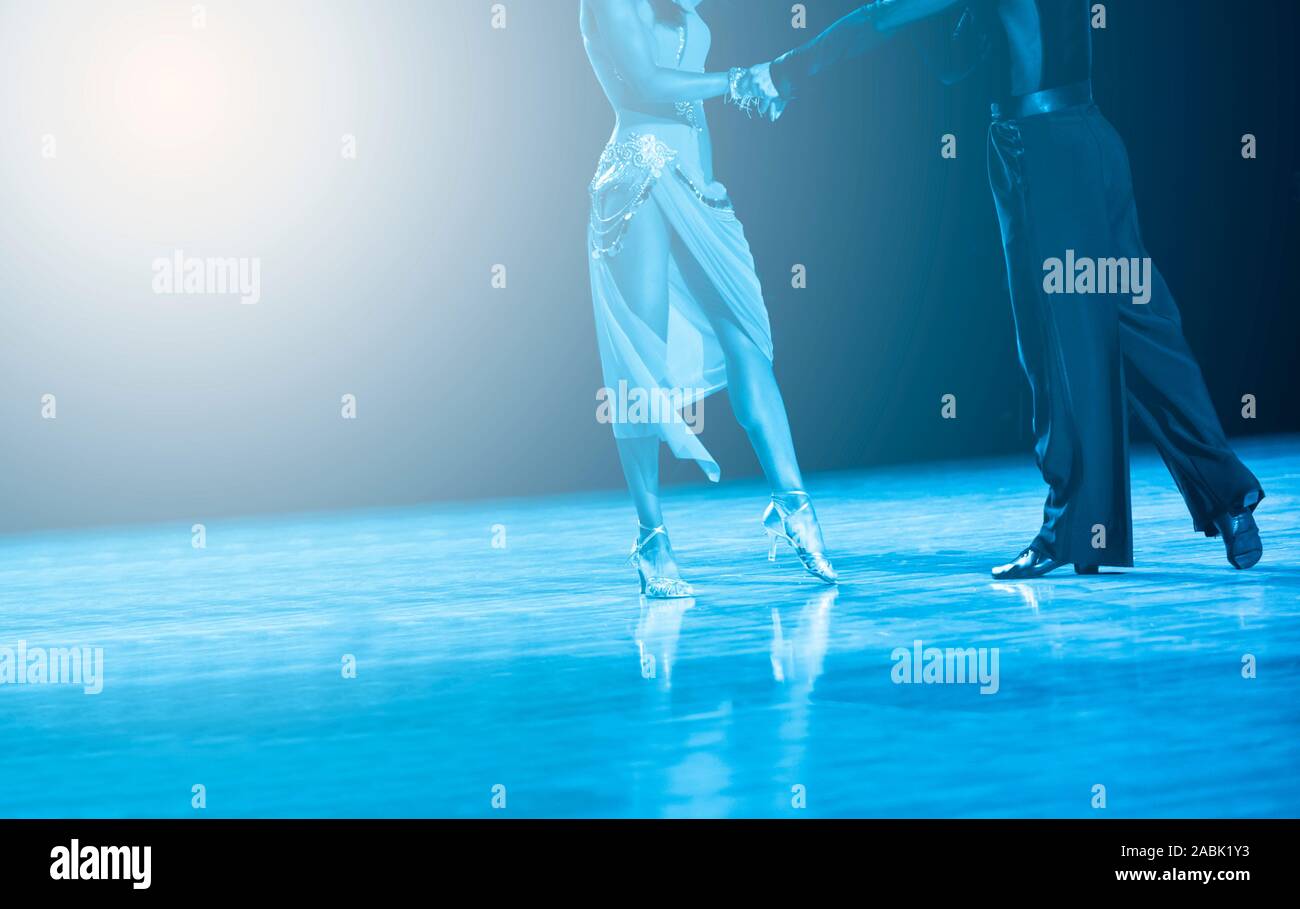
x=535, y=668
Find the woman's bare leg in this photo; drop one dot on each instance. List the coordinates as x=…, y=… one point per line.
x=756, y=400
x=641, y=272
x=751, y=384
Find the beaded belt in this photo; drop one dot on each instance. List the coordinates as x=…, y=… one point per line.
x=635, y=164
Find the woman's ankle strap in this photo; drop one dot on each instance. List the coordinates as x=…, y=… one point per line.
x=645, y=533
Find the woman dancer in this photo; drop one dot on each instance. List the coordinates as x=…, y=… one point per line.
x=679, y=311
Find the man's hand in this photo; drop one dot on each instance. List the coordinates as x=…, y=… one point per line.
x=772, y=104
x=755, y=91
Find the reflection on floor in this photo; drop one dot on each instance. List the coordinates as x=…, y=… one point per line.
x=527, y=678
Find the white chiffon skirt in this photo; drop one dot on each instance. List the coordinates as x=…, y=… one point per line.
x=638, y=170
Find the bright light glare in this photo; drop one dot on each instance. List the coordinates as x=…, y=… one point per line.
x=169, y=93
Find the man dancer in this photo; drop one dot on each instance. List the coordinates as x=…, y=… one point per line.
x=1061, y=180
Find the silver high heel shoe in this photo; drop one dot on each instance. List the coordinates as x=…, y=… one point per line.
x=796, y=527
x=656, y=588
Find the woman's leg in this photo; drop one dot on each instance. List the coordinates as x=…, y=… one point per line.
x=751, y=384
x=760, y=410
x=641, y=272
x=640, y=459
x=758, y=405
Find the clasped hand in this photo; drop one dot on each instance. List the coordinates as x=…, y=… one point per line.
x=754, y=90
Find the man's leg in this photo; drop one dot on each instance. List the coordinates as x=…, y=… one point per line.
x=1048, y=183
x=1165, y=388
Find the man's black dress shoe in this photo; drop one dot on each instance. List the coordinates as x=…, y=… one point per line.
x=1240, y=538
x=1030, y=564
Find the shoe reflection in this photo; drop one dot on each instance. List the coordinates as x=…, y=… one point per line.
x=1028, y=593
x=797, y=653
x=657, y=633
x=800, y=654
